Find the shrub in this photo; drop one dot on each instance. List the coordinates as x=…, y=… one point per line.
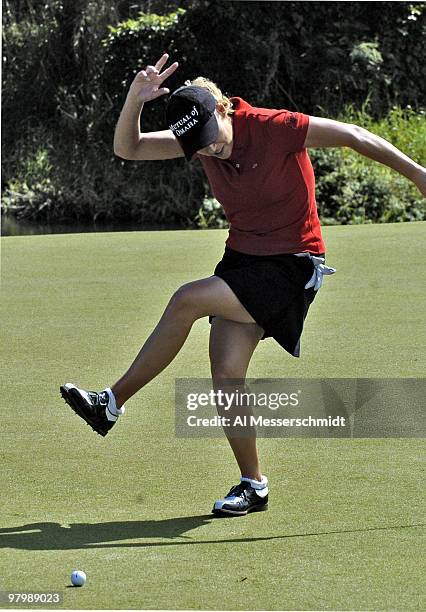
x=210, y=215
x=354, y=189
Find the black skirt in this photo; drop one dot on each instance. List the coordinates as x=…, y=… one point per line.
x=272, y=290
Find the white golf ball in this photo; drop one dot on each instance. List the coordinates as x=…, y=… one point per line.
x=78, y=578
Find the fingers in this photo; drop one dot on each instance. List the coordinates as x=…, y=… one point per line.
x=160, y=92
x=141, y=75
x=152, y=73
x=328, y=270
x=311, y=281
x=315, y=281
x=148, y=74
x=320, y=269
x=170, y=70
x=147, y=83
x=317, y=277
x=318, y=283
x=163, y=59
x=161, y=62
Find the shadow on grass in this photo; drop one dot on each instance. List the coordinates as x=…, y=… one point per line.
x=53, y=536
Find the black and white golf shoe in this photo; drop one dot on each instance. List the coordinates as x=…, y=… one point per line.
x=92, y=407
x=248, y=496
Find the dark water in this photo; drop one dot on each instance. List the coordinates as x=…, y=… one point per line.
x=12, y=227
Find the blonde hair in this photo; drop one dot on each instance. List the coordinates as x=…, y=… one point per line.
x=213, y=89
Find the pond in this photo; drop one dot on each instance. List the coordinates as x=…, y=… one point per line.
x=13, y=227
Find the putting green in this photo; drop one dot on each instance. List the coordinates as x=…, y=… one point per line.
x=346, y=516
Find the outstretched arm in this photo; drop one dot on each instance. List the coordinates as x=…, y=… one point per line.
x=329, y=133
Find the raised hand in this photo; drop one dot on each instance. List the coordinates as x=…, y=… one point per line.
x=147, y=84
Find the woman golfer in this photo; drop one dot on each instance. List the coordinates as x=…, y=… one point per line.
x=258, y=167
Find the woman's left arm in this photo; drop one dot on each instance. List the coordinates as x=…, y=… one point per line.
x=329, y=133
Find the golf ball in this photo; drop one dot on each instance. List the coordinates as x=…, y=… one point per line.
x=78, y=578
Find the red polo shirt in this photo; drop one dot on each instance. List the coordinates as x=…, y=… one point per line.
x=267, y=186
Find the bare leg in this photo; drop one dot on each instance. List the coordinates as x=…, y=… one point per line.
x=231, y=347
x=209, y=296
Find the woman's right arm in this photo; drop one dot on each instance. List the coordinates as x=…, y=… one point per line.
x=129, y=141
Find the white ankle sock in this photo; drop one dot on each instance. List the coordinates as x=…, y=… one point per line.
x=112, y=412
x=261, y=486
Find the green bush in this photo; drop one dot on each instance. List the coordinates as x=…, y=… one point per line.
x=359, y=191
x=210, y=215
x=354, y=189
x=32, y=191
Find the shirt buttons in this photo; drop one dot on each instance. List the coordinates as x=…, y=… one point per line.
x=237, y=165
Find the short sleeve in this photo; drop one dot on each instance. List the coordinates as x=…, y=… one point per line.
x=287, y=130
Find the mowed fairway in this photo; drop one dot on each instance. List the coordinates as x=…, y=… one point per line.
x=345, y=529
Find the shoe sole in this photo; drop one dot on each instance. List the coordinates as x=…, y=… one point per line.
x=68, y=398
x=224, y=513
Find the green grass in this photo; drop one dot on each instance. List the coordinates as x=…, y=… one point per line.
x=345, y=523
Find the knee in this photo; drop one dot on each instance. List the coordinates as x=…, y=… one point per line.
x=223, y=372
x=228, y=379
x=183, y=299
